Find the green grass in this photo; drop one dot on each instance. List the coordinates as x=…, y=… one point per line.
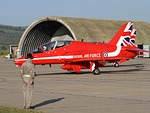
x=4, y=109
x=3, y=53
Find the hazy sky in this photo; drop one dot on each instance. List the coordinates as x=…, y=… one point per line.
x=24, y=12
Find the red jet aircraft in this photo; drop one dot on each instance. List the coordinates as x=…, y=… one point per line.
x=76, y=55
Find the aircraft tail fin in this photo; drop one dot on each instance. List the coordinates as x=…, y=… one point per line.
x=125, y=32
x=125, y=38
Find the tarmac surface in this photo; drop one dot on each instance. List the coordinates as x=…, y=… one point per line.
x=125, y=89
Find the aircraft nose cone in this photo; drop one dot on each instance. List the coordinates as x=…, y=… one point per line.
x=15, y=61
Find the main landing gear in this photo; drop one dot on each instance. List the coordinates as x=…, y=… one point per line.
x=116, y=64
x=96, y=71
x=94, y=68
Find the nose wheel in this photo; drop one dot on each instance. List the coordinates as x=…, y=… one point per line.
x=96, y=71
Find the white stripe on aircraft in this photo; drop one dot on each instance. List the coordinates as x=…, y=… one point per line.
x=117, y=51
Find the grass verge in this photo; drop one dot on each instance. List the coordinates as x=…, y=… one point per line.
x=6, y=109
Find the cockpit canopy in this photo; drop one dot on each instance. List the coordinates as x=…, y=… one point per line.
x=52, y=45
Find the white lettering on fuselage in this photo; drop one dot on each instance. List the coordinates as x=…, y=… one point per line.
x=77, y=56
x=94, y=55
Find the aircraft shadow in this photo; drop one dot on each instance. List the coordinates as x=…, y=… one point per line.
x=121, y=71
x=47, y=102
x=127, y=65
x=60, y=73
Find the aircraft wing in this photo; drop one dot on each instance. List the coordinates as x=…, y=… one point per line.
x=96, y=59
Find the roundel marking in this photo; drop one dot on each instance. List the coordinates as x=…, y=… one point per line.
x=105, y=54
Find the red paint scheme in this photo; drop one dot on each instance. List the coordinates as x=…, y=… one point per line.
x=76, y=55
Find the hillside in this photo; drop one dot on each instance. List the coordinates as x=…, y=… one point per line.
x=104, y=30
x=9, y=35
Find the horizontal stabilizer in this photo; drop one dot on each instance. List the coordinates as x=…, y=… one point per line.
x=137, y=50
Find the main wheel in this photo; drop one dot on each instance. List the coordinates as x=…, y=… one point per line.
x=96, y=71
x=116, y=64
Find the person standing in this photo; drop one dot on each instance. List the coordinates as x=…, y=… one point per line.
x=27, y=75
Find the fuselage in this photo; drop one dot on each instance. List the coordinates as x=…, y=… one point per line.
x=77, y=51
